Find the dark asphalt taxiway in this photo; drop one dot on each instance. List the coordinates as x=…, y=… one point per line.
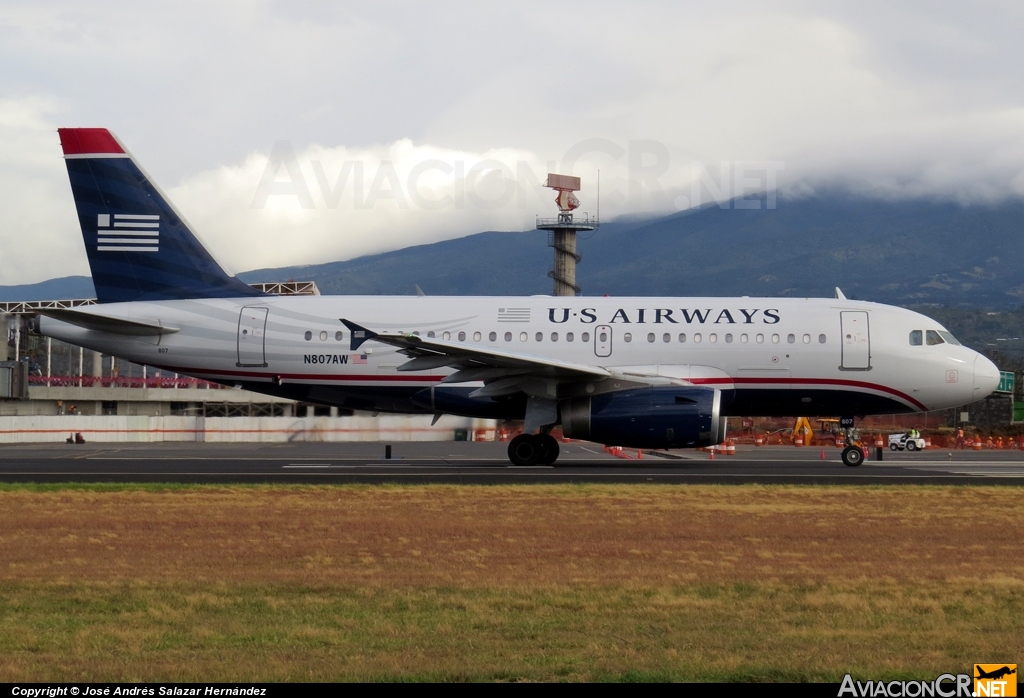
x=454, y=462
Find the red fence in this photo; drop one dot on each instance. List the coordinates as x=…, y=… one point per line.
x=120, y=382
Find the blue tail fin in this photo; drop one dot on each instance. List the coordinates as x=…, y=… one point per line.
x=138, y=245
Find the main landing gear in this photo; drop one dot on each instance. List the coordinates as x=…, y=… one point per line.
x=533, y=449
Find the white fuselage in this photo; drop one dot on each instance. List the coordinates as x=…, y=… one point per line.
x=780, y=355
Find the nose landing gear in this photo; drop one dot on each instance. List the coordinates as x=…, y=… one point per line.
x=853, y=456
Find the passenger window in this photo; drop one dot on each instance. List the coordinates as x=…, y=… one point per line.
x=603, y=337
x=508, y=336
x=323, y=336
x=462, y=336
x=446, y=335
x=585, y=337
x=759, y=339
x=569, y=336
x=821, y=339
x=308, y=335
x=476, y=336
x=791, y=338
x=523, y=336
x=744, y=338
x=807, y=339
x=554, y=336
x=932, y=338
x=666, y=338
x=696, y=337
x=626, y=337
x=728, y=339
x=682, y=337
x=712, y=337
x=775, y=339
x=650, y=336
x=493, y=336
x=540, y=336
x=430, y=334
x=915, y=338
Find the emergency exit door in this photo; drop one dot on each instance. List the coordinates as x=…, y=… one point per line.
x=252, y=329
x=856, y=340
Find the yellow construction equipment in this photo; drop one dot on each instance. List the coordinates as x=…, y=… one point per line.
x=803, y=428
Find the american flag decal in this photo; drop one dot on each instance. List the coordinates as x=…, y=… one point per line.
x=129, y=232
x=359, y=358
x=513, y=314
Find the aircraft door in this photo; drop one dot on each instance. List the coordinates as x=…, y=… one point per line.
x=603, y=340
x=856, y=340
x=252, y=328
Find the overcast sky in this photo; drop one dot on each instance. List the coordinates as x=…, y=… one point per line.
x=302, y=132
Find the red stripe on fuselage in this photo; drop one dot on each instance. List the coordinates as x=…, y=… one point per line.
x=437, y=379
x=303, y=376
x=812, y=381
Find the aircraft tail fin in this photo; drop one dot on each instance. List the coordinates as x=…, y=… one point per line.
x=139, y=246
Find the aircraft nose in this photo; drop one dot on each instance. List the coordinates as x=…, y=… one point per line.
x=986, y=377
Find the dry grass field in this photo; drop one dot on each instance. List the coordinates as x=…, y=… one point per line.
x=584, y=582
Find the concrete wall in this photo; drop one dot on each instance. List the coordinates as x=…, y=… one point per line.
x=29, y=429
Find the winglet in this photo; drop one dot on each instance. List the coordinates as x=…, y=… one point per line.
x=359, y=334
x=839, y=295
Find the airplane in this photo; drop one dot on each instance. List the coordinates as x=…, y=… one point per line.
x=643, y=372
x=995, y=674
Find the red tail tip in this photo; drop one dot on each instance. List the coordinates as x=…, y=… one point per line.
x=88, y=141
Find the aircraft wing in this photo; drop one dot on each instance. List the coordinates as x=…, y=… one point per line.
x=476, y=363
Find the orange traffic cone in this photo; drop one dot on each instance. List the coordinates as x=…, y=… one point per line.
x=712, y=454
x=823, y=454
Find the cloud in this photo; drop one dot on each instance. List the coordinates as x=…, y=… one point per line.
x=909, y=100
x=38, y=223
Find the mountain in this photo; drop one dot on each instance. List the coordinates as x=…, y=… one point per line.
x=64, y=288
x=913, y=253
x=899, y=252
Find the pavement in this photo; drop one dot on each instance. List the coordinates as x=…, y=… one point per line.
x=485, y=463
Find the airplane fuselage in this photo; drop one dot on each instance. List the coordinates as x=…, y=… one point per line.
x=769, y=356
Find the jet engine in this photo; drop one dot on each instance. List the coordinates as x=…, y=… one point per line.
x=661, y=417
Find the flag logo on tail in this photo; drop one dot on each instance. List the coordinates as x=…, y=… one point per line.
x=127, y=232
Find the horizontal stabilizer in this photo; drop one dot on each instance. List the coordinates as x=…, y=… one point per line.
x=102, y=323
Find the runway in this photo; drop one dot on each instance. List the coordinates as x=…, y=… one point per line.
x=484, y=463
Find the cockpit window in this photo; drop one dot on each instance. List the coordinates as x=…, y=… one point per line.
x=933, y=338
x=915, y=338
x=949, y=338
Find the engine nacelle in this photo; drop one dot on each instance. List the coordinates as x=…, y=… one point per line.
x=673, y=417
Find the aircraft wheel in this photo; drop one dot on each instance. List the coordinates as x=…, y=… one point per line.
x=522, y=450
x=547, y=449
x=911, y=446
x=894, y=447
x=853, y=456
